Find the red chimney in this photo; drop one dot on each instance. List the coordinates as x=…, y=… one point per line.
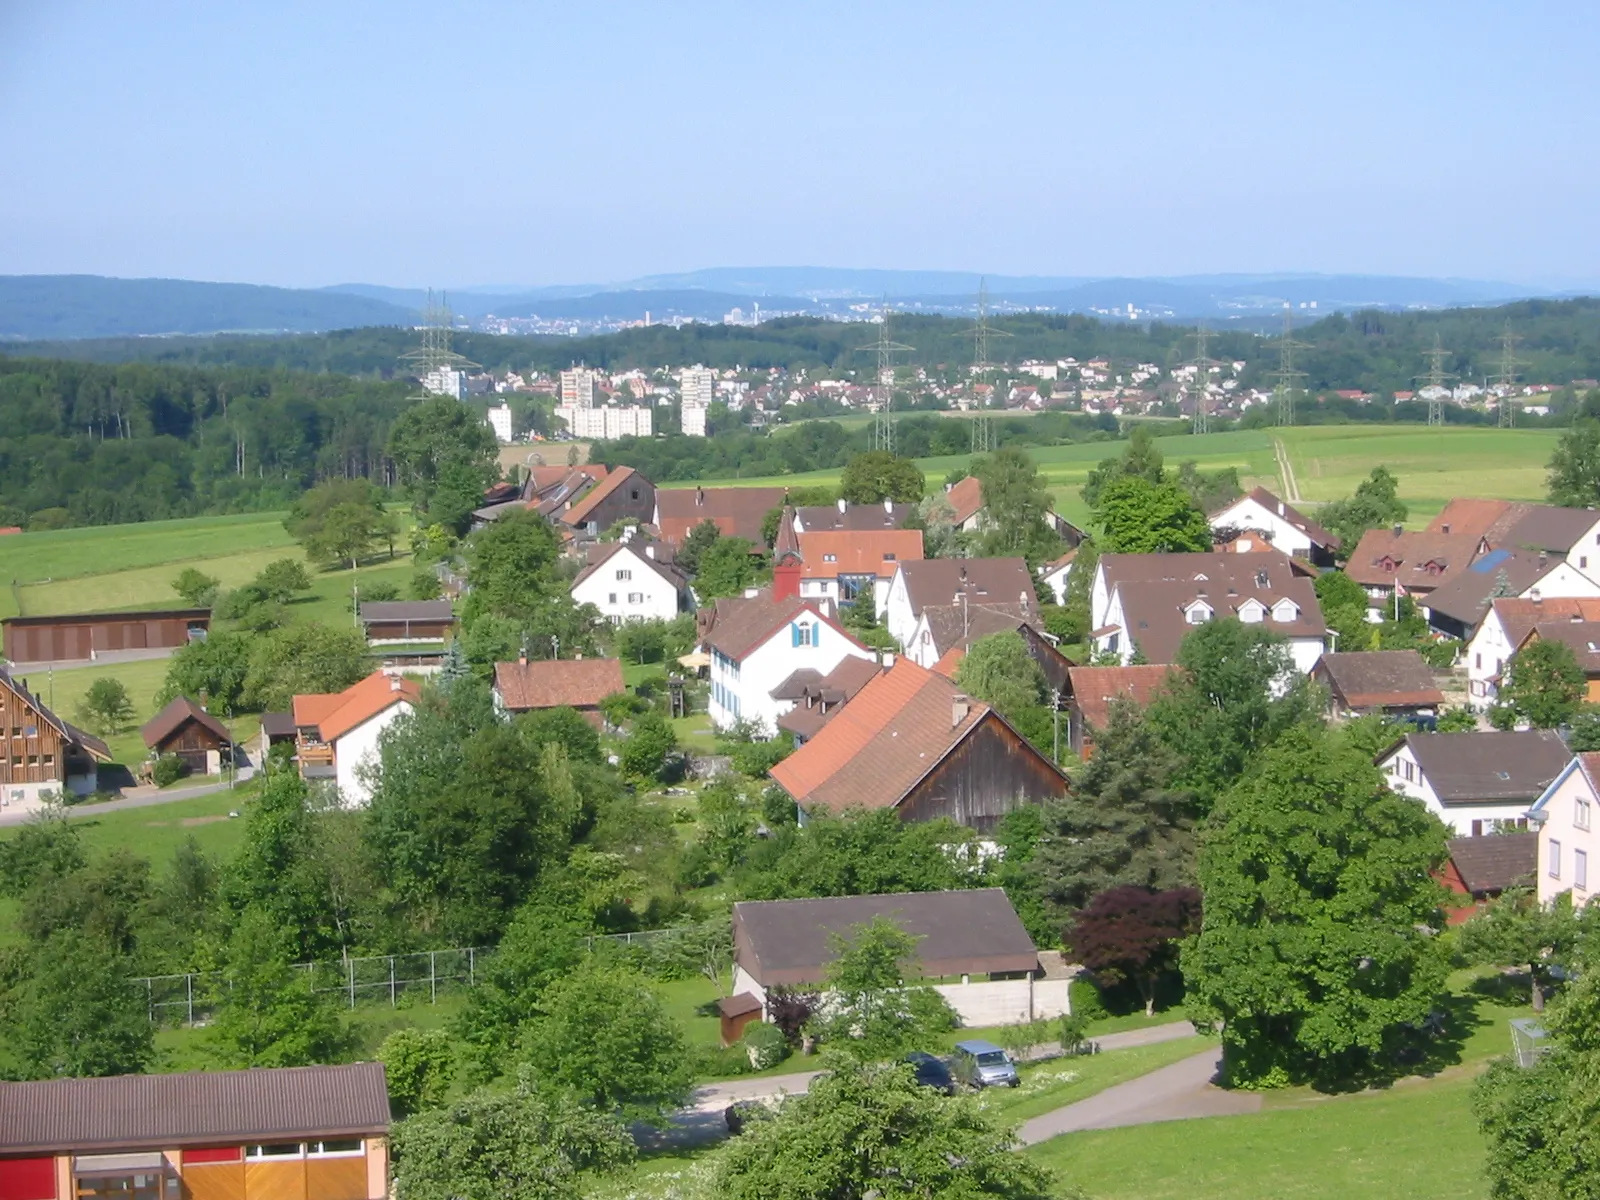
x=786, y=579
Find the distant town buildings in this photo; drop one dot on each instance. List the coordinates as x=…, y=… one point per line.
x=694, y=421
x=445, y=381
x=577, y=388
x=697, y=388
x=607, y=422
x=500, y=421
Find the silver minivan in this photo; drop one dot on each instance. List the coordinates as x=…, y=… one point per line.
x=982, y=1064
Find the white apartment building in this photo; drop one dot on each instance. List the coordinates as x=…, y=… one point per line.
x=698, y=387
x=499, y=419
x=577, y=387
x=444, y=381
x=694, y=421
x=607, y=422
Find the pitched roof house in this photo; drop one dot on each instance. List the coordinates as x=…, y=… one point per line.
x=735, y=511
x=1480, y=868
x=632, y=580
x=1475, y=782
x=1564, y=818
x=1516, y=524
x=912, y=741
x=1387, y=682
x=336, y=733
x=44, y=753
x=1283, y=526
x=1505, y=627
x=968, y=582
x=407, y=620
x=621, y=495
x=965, y=498
x=842, y=565
x=579, y=683
x=1457, y=606
x=847, y=517
x=1418, y=561
x=1092, y=691
x=1582, y=638
x=545, y=490
x=816, y=698
x=185, y=729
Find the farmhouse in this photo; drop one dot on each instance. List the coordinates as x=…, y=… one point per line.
x=621, y=495
x=545, y=490
x=286, y=1133
x=1476, y=783
x=1564, y=817
x=580, y=683
x=185, y=729
x=910, y=740
x=963, y=582
x=1390, y=683
x=391, y=621
x=86, y=637
x=39, y=752
x=1281, y=525
x=632, y=580
x=736, y=512
x=971, y=941
x=1091, y=691
x=336, y=733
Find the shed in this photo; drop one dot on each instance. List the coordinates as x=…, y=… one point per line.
x=1390, y=682
x=1480, y=868
x=185, y=729
x=84, y=637
x=407, y=620
x=579, y=683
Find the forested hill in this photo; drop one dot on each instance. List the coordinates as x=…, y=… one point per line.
x=1559, y=340
x=85, y=444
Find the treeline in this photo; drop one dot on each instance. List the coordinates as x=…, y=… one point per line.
x=84, y=444
x=1559, y=340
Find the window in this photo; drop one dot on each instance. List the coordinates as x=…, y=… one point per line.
x=635, y=597
x=1477, y=661
x=624, y=573
x=1580, y=869
x=1580, y=814
x=1555, y=859
x=334, y=1146
x=1477, y=829
x=611, y=597
x=805, y=635
x=830, y=558
x=276, y=1150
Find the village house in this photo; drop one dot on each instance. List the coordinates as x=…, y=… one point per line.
x=407, y=621
x=965, y=499
x=621, y=495
x=965, y=583
x=529, y=685
x=759, y=640
x=1480, y=868
x=1146, y=604
x=1458, y=606
x=1092, y=691
x=912, y=741
x=844, y=517
x=1057, y=574
x=1563, y=817
x=1583, y=639
x=1476, y=783
x=632, y=580
x=1505, y=627
x=336, y=733
x=1572, y=534
x=843, y=566
x=544, y=490
x=816, y=698
x=735, y=511
x=946, y=632
x=971, y=946
x=185, y=729
x=269, y=1133
x=40, y=754
x=1261, y=513
x=1417, y=563
x=1386, y=683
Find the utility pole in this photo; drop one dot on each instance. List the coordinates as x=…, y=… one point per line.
x=1286, y=376
x=982, y=432
x=1434, y=380
x=1202, y=378
x=883, y=404
x=1506, y=380
x=435, y=354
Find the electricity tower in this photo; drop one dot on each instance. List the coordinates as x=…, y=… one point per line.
x=1506, y=379
x=431, y=360
x=1201, y=383
x=982, y=433
x=1286, y=376
x=883, y=403
x=1434, y=380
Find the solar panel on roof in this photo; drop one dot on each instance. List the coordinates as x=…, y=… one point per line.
x=1490, y=561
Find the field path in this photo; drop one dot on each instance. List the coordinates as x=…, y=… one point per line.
x=1291, y=486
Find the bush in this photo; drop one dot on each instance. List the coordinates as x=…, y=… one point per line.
x=425, y=586
x=374, y=593
x=1084, y=997
x=1072, y=1029
x=168, y=770
x=765, y=1044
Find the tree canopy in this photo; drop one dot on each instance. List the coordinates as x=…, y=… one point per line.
x=878, y=475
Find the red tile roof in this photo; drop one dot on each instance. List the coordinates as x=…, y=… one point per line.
x=1518, y=617
x=736, y=511
x=335, y=714
x=1094, y=688
x=866, y=552
x=1421, y=560
x=1318, y=535
x=949, y=662
x=557, y=683
x=965, y=498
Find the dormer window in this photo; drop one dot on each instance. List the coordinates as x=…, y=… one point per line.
x=1286, y=611
x=830, y=558
x=1197, y=613
x=1252, y=612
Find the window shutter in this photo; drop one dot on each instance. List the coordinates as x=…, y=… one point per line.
x=816, y=633
x=794, y=635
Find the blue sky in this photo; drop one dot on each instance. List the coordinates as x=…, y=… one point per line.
x=531, y=143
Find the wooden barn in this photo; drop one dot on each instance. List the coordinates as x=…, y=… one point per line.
x=395, y=621
x=86, y=636
x=912, y=741
x=185, y=729
x=39, y=752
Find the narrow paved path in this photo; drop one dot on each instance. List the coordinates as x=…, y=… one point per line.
x=132, y=798
x=1172, y=1093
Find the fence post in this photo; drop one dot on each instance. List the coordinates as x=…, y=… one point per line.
x=350, y=964
x=472, y=977
x=189, y=983
x=433, y=978
x=391, y=981
x=150, y=999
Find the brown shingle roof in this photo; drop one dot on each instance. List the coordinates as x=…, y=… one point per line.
x=1495, y=863
x=1582, y=637
x=1422, y=560
x=982, y=580
x=1379, y=678
x=1155, y=612
x=965, y=499
x=557, y=683
x=736, y=511
x=136, y=1112
x=972, y=932
x=823, y=517
x=740, y=624
x=1466, y=596
x=1094, y=688
x=1468, y=768
x=959, y=625
x=662, y=563
x=168, y=721
x=858, y=552
x=406, y=610
x=578, y=514
x=1518, y=617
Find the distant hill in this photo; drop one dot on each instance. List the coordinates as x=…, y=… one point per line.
x=89, y=306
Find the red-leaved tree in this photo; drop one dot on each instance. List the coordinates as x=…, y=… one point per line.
x=1131, y=934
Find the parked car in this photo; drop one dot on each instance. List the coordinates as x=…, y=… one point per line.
x=980, y=1064
x=932, y=1072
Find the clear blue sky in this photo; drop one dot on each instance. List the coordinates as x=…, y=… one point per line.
x=481, y=143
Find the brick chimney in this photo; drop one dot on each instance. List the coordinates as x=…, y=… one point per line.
x=786, y=579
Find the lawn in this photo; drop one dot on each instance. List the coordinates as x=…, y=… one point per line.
x=157, y=831
x=1050, y=1085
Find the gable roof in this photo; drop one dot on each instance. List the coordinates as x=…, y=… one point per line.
x=875, y=552
x=173, y=717
x=578, y=514
x=1469, y=516
x=136, y=1112
x=818, y=518
x=970, y=932
x=1466, y=596
x=819, y=698
x=1193, y=566
x=965, y=499
x=981, y=580
x=1495, y=863
x=1155, y=612
x=557, y=683
x=1317, y=535
x=1469, y=768
x=1379, y=678
x=957, y=626
x=82, y=739
x=662, y=563
x=1412, y=552
x=1582, y=637
x=1517, y=616
x=1094, y=688
x=882, y=743
x=736, y=511
x=1517, y=524
x=406, y=610
x=335, y=714
x=739, y=625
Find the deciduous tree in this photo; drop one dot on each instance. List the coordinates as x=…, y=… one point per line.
x=1016, y=505
x=418, y=1065
x=1543, y=686
x=1517, y=931
x=76, y=1012
x=726, y=568
x=878, y=475
x=105, y=707
x=1139, y=517
x=1130, y=934
x=197, y=589
x=875, y=1009
x=268, y=1016
x=1574, y=479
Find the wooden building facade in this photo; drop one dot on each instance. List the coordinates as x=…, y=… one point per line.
x=83, y=637
x=990, y=772
x=41, y=753
x=185, y=729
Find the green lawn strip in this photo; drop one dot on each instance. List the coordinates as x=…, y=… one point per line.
x=100, y=549
x=155, y=832
x=145, y=587
x=1416, y=1140
x=1053, y=1084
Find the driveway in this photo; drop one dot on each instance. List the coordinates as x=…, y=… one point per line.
x=132, y=798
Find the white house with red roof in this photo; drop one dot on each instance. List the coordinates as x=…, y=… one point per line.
x=632, y=580
x=1288, y=530
x=756, y=642
x=336, y=733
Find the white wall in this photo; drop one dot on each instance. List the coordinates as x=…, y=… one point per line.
x=1486, y=653
x=978, y=1004
x=1560, y=808
x=768, y=665
x=658, y=599
x=1585, y=553
x=1246, y=513
x=357, y=751
x=1056, y=580
x=898, y=618
x=1459, y=817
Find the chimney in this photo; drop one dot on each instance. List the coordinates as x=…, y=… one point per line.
x=843, y=504
x=960, y=706
x=394, y=683
x=1445, y=528
x=888, y=661
x=1398, y=528
x=888, y=506
x=699, y=496
x=1280, y=508
x=650, y=550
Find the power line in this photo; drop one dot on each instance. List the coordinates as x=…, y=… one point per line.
x=435, y=355
x=1200, y=384
x=1434, y=381
x=1506, y=379
x=883, y=401
x=982, y=432
x=1286, y=375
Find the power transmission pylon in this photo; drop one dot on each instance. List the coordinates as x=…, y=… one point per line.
x=1200, y=385
x=1434, y=380
x=883, y=403
x=435, y=355
x=982, y=432
x=1506, y=379
x=1286, y=375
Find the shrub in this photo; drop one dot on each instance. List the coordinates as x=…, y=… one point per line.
x=765, y=1044
x=168, y=770
x=425, y=586
x=1085, y=999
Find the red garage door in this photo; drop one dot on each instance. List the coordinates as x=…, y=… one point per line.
x=27, y=1179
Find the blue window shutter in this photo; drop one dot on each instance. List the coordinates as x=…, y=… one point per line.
x=816, y=634
x=794, y=635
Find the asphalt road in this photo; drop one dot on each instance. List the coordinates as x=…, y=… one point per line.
x=132, y=798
